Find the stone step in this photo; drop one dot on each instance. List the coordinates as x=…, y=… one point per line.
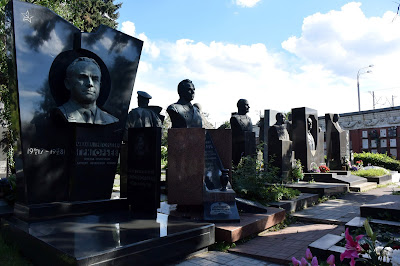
x=322, y=189
x=303, y=201
x=363, y=186
x=358, y=222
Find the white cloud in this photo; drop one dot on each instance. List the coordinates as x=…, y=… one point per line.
x=322, y=75
x=128, y=27
x=246, y=3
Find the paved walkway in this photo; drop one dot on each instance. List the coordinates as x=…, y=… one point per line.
x=279, y=247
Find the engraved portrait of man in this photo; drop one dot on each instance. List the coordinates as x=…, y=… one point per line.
x=83, y=81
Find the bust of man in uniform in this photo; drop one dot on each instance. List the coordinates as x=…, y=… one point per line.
x=182, y=113
x=82, y=79
x=240, y=121
x=144, y=115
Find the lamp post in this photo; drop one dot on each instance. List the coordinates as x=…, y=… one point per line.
x=359, y=73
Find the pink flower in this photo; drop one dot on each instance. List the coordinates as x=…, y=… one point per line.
x=314, y=261
x=295, y=262
x=308, y=254
x=352, y=248
x=331, y=260
x=303, y=262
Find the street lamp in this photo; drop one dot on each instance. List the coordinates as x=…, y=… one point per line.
x=359, y=73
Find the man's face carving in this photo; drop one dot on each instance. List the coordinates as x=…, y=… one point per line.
x=84, y=82
x=188, y=92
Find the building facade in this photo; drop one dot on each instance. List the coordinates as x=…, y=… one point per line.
x=375, y=131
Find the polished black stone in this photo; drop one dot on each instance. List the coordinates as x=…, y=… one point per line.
x=300, y=140
x=337, y=142
x=212, y=164
x=114, y=238
x=144, y=169
x=58, y=161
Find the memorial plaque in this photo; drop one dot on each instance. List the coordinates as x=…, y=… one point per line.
x=383, y=133
x=213, y=165
x=365, y=134
x=144, y=169
x=383, y=143
x=365, y=143
x=393, y=143
x=374, y=143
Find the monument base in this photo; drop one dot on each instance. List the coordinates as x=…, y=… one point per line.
x=220, y=206
x=113, y=238
x=53, y=210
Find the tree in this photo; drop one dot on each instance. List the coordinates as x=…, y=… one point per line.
x=84, y=14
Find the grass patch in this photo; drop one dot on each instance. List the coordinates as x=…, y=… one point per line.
x=370, y=172
x=10, y=255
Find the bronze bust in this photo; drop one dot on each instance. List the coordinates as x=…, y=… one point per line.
x=279, y=130
x=240, y=121
x=82, y=79
x=182, y=113
x=144, y=115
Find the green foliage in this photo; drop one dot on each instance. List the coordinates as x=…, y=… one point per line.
x=10, y=255
x=377, y=159
x=221, y=246
x=250, y=182
x=164, y=156
x=370, y=172
x=225, y=125
x=279, y=192
x=296, y=172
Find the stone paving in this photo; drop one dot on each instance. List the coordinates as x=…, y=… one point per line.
x=280, y=246
x=222, y=258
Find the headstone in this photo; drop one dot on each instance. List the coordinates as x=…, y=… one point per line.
x=144, y=169
x=219, y=198
x=268, y=121
x=306, y=137
x=213, y=165
x=186, y=166
x=280, y=146
x=58, y=160
x=337, y=142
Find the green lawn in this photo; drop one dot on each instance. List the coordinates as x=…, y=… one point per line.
x=10, y=256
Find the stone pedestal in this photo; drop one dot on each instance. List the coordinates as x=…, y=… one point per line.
x=281, y=153
x=186, y=165
x=144, y=169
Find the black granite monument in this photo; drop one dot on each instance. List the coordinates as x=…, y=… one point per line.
x=306, y=137
x=337, y=142
x=67, y=153
x=280, y=146
x=144, y=169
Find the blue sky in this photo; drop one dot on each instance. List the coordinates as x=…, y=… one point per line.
x=277, y=54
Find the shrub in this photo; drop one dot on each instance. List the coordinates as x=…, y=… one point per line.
x=377, y=159
x=249, y=180
x=296, y=172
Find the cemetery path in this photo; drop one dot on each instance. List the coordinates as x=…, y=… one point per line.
x=279, y=247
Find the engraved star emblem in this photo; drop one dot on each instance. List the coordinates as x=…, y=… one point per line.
x=27, y=17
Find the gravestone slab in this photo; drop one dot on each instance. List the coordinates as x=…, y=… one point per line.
x=268, y=121
x=144, y=169
x=337, y=142
x=59, y=161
